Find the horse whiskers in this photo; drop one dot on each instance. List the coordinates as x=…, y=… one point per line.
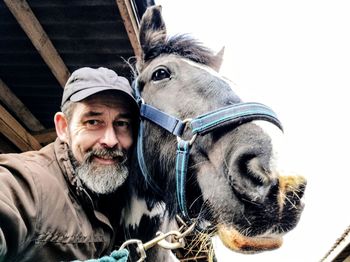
x=226, y=165
x=198, y=164
x=246, y=219
x=194, y=201
x=283, y=197
x=252, y=202
x=293, y=206
x=245, y=231
x=296, y=195
x=203, y=212
x=280, y=229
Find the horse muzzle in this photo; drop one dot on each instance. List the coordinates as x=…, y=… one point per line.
x=288, y=210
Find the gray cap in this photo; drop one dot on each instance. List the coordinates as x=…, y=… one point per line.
x=87, y=81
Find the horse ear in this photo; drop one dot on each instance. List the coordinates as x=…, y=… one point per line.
x=219, y=57
x=152, y=30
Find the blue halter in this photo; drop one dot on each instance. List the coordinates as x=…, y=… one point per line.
x=236, y=114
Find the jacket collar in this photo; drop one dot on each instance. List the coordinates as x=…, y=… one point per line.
x=61, y=151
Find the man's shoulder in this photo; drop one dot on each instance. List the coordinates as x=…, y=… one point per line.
x=40, y=169
x=40, y=158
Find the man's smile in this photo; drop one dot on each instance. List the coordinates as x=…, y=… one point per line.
x=106, y=160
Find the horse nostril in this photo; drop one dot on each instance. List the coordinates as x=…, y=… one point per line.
x=254, y=168
x=251, y=177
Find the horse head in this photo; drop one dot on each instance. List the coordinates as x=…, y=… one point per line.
x=232, y=185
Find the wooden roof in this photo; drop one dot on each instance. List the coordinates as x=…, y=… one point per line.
x=41, y=43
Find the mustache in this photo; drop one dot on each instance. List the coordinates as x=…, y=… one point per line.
x=108, y=153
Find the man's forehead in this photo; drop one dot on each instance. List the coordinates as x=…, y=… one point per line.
x=98, y=106
x=112, y=101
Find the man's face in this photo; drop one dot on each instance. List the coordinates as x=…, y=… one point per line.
x=100, y=136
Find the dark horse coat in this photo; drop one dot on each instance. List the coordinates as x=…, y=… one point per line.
x=233, y=187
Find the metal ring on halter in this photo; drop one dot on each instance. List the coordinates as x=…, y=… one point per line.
x=187, y=120
x=140, y=248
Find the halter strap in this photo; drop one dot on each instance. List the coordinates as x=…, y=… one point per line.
x=141, y=161
x=237, y=113
x=203, y=124
x=168, y=122
x=182, y=156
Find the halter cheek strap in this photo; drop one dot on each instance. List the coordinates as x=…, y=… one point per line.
x=234, y=115
x=182, y=156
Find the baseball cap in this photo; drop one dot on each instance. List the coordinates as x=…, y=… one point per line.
x=87, y=81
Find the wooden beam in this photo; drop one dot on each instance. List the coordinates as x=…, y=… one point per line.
x=131, y=23
x=46, y=136
x=14, y=132
x=19, y=109
x=32, y=27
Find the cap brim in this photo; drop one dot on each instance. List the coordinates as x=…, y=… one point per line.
x=82, y=94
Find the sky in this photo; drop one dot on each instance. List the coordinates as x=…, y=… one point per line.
x=295, y=57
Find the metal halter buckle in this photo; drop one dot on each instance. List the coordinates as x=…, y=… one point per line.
x=191, y=141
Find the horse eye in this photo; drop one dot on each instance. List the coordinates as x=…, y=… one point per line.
x=160, y=74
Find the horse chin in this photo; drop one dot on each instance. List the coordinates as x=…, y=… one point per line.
x=235, y=241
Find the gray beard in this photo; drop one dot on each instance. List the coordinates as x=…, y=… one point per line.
x=102, y=179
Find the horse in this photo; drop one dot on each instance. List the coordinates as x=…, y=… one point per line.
x=202, y=154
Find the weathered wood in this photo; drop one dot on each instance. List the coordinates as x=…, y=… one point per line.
x=128, y=14
x=32, y=27
x=46, y=136
x=19, y=109
x=14, y=132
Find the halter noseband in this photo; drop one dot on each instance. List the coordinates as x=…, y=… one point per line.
x=236, y=114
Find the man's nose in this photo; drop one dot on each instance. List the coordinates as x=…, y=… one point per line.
x=109, y=138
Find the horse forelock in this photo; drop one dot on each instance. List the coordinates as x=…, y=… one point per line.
x=182, y=45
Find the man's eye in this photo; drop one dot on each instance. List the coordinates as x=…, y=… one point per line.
x=122, y=123
x=92, y=122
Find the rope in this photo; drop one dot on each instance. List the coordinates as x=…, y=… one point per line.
x=116, y=256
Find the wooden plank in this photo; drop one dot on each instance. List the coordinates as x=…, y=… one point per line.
x=32, y=27
x=46, y=136
x=14, y=132
x=19, y=109
x=131, y=23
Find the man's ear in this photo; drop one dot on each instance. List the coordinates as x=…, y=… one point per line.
x=61, y=124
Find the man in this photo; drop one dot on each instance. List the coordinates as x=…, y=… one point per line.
x=61, y=203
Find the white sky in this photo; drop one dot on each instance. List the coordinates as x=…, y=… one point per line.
x=295, y=57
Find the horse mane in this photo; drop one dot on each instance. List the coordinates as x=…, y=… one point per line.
x=182, y=45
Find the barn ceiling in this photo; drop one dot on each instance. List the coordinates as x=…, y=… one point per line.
x=41, y=43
